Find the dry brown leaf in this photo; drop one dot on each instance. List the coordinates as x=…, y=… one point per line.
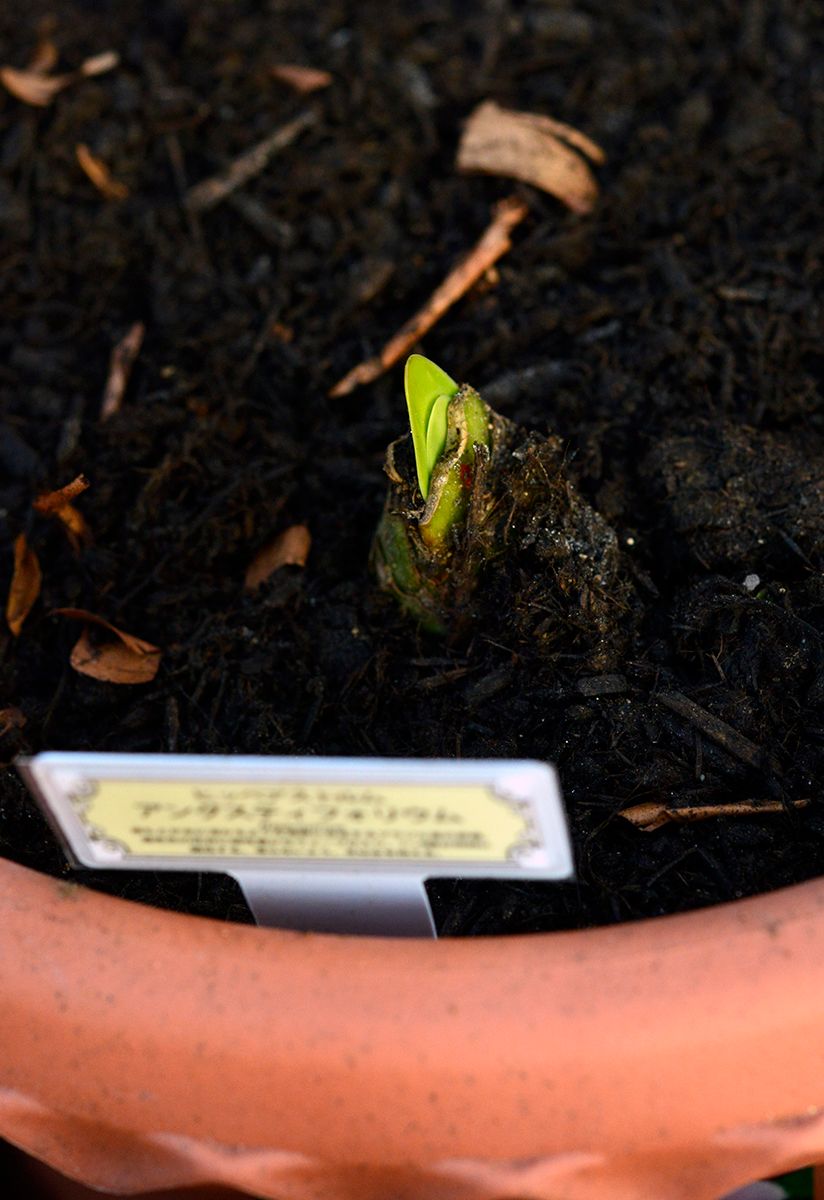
x=493, y=243
x=302, y=79
x=56, y=504
x=44, y=58
x=651, y=815
x=11, y=718
x=31, y=87
x=98, y=174
x=121, y=362
x=76, y=527
x=25, y=584
x=533, y=148
x=290, y=548
x=50, y=503
x=128, y=660
x=112, y=662
x=135, y=644
x=34, y=87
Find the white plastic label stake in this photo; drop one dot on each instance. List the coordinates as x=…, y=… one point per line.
x=341, y=845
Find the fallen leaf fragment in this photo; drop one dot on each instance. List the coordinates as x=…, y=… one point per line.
x=99, y=174
x=112, y=662
x=290, y=548
x=303, y=80
x=533, y=148
x=76, y=527
x=123, y=358
x=128, y=660
x=44, y=58
x=651, y=815
x=135, y=644
x=31, y=86
x=34, y=87
x=11, y=718
x=25, y=584
x=57, y=504
x=493, y=243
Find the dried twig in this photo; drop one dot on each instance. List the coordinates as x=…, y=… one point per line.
x=121, y=362
x=650, y=815
x=274, y=231
x=209, y=192
x=493, y=243
x=717, y=730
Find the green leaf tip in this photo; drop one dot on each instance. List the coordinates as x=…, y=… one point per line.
x=428, y=392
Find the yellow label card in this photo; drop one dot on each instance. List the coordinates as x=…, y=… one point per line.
x=293, y=819
x=336, y=845
x=317, y=815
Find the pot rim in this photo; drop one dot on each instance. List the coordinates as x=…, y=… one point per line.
x=146, y=1047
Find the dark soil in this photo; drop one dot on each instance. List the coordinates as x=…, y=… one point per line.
x=672, y=340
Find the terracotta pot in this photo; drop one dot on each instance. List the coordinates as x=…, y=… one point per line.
x=667, y=1059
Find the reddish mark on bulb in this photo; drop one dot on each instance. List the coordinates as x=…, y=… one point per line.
x=466, y=476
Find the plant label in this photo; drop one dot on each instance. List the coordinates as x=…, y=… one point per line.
x=340, y=845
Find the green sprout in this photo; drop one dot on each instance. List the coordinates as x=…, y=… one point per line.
x=448, y=425
x=482, y=524
x=417, y=551
x=428, y=392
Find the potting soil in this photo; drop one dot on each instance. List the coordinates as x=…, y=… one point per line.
x=671, y=340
